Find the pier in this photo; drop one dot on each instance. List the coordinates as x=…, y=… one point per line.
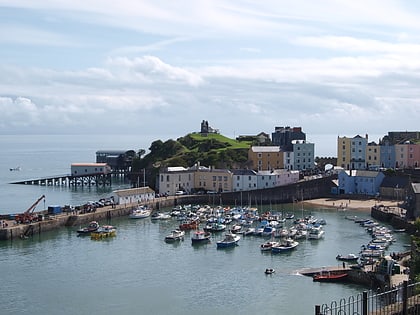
x=71, y=180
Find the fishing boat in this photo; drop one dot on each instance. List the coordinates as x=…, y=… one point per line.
x=230, y=240
x=328, y=276
x=175, y=235
x=92, y=227
x=104, y=231
x=200, y=237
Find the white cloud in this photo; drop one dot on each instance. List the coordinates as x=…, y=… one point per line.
x=328, y=66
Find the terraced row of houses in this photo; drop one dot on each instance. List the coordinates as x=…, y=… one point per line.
x=201, y=179
x=397, y=150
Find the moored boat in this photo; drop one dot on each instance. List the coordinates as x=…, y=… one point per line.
x=268, y=245
x=285, y=245
x=104, y=231
x=175, y=235
x=328, y=276
x=349, y=257
x=92, y=227
x=140, y=212
x=200, y=237
x=230, y=240
x=189, y=225
x=315, y=233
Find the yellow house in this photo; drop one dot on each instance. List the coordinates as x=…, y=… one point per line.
x=266, y=158
x=211, y=179
x=344, y=152
x=373, y=155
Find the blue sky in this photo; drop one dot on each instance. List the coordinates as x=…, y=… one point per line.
x=158, y=68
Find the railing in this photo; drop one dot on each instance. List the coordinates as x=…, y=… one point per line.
x=401, y=300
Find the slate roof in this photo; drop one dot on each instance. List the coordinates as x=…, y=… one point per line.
x=395, y=181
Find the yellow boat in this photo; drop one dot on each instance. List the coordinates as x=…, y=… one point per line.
x=104, y=231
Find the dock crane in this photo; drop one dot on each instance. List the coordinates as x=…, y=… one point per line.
x=27, y=216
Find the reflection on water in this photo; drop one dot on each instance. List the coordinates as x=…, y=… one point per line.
x=138, y=272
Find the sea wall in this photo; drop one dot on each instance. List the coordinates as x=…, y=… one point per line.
x=383, y=214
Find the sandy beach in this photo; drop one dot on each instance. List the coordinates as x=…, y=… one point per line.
x=353, y=204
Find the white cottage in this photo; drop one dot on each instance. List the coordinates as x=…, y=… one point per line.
x=133, y=195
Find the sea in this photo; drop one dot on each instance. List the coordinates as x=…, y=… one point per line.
x=136, y=272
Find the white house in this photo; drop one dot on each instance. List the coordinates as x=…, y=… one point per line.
x=243, y=180
x=286, y=177
x=133, y=195
x=174, y=179
x=303, y=155
x=266, y=179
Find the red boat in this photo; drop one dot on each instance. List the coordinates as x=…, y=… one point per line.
x=328, y=276
x=189, y=225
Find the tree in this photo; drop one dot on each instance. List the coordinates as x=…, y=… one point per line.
x=140, y=153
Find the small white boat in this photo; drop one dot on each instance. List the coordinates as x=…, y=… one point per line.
x=268, y=245
x=175, y=235
x=249, y=231
x=230, y=240
x=315, y=233
x=140, y=212
x=285, y=245
x=348, y=257
x=200, y=237
x=160, y=216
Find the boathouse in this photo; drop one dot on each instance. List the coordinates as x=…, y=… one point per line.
x=84, y=169
x=133, y=195
x=118, y=160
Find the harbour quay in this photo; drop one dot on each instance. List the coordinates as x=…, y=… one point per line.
x=11, y=230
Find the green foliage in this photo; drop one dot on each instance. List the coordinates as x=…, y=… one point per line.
x=211, y=150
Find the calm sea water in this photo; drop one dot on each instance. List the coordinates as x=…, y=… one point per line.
x=137, y=272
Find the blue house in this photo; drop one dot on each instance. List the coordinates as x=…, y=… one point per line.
x=360, y=182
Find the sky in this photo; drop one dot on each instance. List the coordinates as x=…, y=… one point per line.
x=157, y=68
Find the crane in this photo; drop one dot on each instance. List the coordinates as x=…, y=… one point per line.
x=27, y=216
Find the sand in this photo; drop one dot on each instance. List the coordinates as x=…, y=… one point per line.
x=350, y=204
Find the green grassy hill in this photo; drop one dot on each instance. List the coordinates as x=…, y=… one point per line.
x=209, y=150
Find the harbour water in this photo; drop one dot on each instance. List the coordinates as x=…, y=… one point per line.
x=136, y=272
